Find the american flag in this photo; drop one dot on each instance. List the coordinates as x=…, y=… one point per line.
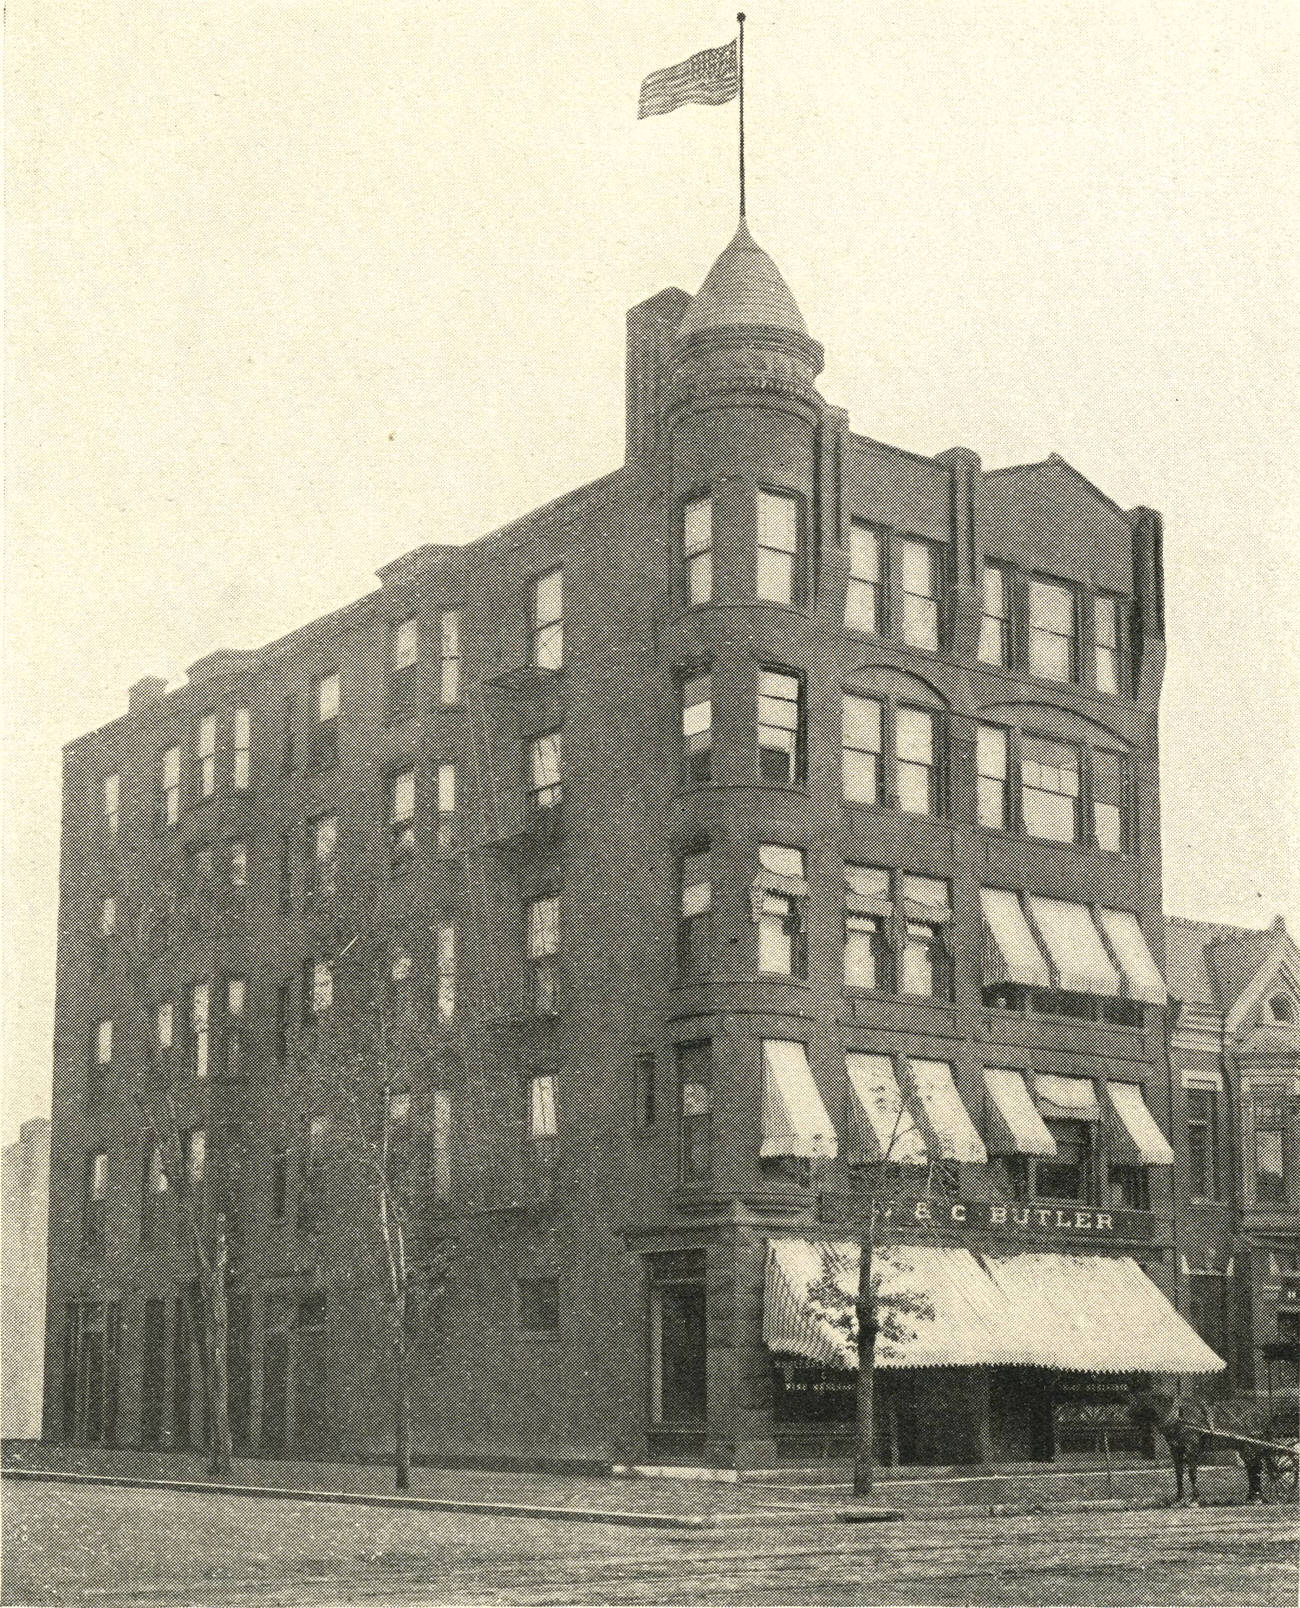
x=709, y=77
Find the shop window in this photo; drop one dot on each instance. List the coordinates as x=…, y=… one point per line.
x=779, y=562
x=1053, y=631
x=695, y=1109
x=993, y=800
x=547, y=650
x=1202, y=1143
x=697, y=551
x=995, y=621
x=1049, y=784
x=1068, y=1174
x=697, y=731
x=545, y=786
x=539, y=1305
x=695, y=921
x=919, y=568
x=863, y=601
x=780, y=728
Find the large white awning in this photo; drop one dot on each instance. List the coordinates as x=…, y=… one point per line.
x=881, y=1126
x=1081, y=962
x=795, y=1121
x=947, y=1124
x=1141, y=974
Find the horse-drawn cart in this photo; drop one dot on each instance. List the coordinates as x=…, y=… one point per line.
x=1279, y=1464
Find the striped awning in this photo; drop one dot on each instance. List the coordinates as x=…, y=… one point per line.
x=1142, y=979
x=1075, y=946
x=795, y=1121
x=1132, y=1131
x=1013, y=1124
x=1064, y=1097
x=944, y=1307
x=1011, y=954
x=880, y=1126
x=948, y=1128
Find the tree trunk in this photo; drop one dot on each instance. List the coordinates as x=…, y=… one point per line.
x=864, y=1444
x=401, y=1395
x=221, y=1450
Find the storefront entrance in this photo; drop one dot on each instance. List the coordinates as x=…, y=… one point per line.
x=1020, y=1415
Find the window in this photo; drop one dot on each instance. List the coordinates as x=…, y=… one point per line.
x=449, y=659
x=445, y=937
x=917, y=770
x=325, y=739
x=1068, y=1174
x=542, y=1128
x=206, y=751
x=925, y=951
x=401, y=820
x=1106, y=645
x=548, y=621
x=243, y=746
x=196, y=1159
x=1110, y=796
x=1281, y=1008
x=695, y=1109
x=153, y=1193
x=780, y=728
x=1269, y=1109
x=198, y=864
x=171, y=786
x=862, y=601
x=440, y=1144
x=311, y=1188
x=200, y=998
x=112, y=804
x=104, y=1043
x=867, y=902
x=1052, y=631
x=995, y=620
x=236, y=995
x=861, y=735
x=93, y=1201
x=782, y=948
x=993, y=794
x=324, y=848
x=695, y=924
x=644, y=1089
x=543, y=947
x=779, y=558
x=1049, y=783
x=107, y=915
x=321, y=977
x=697, y=731
x=403, y=654
x=920, y=576
x=1202, y=1143
x=1130, y=1188
x=545, y=789
x=238, y=865
x=286, y=732
x=279, y=1183
x=539, y=1305
x=697, y=551
x=446, y=803
x=164, y=1025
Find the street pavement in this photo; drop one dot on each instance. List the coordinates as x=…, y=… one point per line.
x=100, y=1545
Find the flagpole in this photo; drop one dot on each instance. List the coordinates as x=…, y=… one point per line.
x=740, y=18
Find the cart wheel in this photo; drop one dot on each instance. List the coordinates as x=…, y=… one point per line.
x=1280, y=1475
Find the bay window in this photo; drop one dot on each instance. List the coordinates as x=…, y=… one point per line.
x=779, y=552
x=697, y=551
x=697, y=731
x=782, y=948
x=695, y=1109
x=695, y=921
x=780, y=727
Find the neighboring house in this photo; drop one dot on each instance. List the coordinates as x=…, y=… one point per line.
x=1235, y=1049
x=25, y=1181
x=776, y=795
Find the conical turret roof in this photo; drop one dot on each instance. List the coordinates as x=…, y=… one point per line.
x=744, y=287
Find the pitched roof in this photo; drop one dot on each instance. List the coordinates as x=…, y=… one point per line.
x=1210, y=964
x=744, y=287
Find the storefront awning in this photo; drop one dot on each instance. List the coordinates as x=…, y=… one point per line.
x=795, y=1121
x=947, y=1124
x=880, y=1126
x=1076, y=950
x=1011, y=954
x=1132, y=1131
x=1014, y=1126
x=941, y=1306
x=1142, y=977
x=1067, y=1097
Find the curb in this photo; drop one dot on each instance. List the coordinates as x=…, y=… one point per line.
x=696, y=1522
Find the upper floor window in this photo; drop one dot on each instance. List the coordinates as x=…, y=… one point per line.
x=401, y=820
x=243, y=750
x=324, y=842
x=1202, y=1143
x=1053, y=631
x=1068, y=1175
x=866, y=925
x=319, y=977
x=1272, y=1116
x=695, y=922
x=196, y=1158
x=449, y=659
x=780, y=727
x=545, y=788
x=108, y=916
x=644, y=1089
x=206, y=747
x=200, y=1000
x=548, y=620
x=919, y=570
x=171, y=785
x=403, y=654
x=445, y=938
x=288, y=711
x=993, y=794
x=279, y=1183
x=917, y=764
x=925, y=950
x=238, y=865
x=104, y=1043
x=163, y=1025
x=1110, y=795
x=782, y=947
x=539, y=1305
x=440, y=1144
x=543, y=1127
x=779, y=556
x=697, y=731
x=94, y=1198
x=1049, y=788
x=325, y=739
x=1281, y=1008
x=1106, y=659
x=543, y=922
x=446, y=802
x=236, y=996
x=914, y=743
x=861, y=737
x=995, y=619
x=112, y=804
x=862, y=601
x=697, y=550
x=695, y=1109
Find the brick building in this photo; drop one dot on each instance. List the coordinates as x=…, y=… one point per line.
x=1235, y=1047
x=25, y=1181
x=778, y=802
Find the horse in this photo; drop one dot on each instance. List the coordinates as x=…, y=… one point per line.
x=1189, y=1424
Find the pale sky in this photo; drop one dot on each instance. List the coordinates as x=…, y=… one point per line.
x=294, y=288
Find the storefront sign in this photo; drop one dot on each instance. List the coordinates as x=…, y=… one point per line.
x=983, y=1216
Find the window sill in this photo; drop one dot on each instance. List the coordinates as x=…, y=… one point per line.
x=897, y=643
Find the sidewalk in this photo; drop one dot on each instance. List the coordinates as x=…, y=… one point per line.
x=781, y=1498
